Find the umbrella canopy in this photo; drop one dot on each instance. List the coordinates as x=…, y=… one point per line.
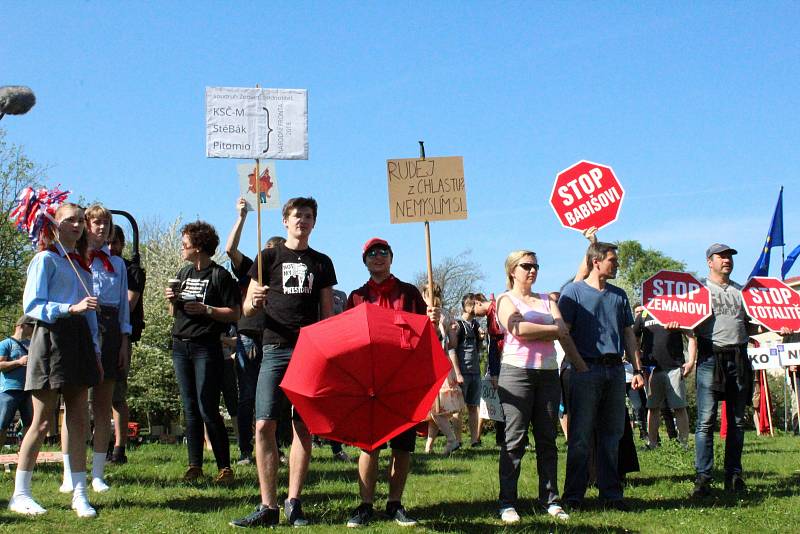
x=366, y=375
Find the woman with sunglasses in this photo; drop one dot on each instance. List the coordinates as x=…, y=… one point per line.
x=528, y=385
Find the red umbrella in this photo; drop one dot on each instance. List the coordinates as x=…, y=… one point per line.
x=366, y=375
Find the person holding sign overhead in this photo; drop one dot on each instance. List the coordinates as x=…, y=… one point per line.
x=297, y=291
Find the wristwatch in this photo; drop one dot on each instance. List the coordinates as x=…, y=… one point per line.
x=635, y=371
x=209, y=310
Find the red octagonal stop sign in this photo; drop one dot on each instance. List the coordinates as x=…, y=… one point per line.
x=585, y=195
x=674, y=296
x=772, y=303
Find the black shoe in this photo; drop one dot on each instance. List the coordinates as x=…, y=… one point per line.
x=262, y=517
x=619, y=505
x=572, y=505
x=361, y=515
x=476, y=444
x=293, y=511
x=702, y=487
x=735, y=484
x=396, y=511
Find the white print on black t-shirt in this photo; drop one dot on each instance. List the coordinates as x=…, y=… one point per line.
x=194, y=289
x=297, y=279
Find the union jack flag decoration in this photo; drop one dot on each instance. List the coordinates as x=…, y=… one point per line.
x=34, y=208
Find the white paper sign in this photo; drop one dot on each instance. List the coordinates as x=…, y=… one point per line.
x=490, y=407
x=268, y=184
x=764, y=357
x=789, y=353
x=251, y=123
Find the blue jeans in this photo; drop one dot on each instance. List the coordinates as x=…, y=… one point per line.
x=198, y=370
x=596, y=405
x=248, y=362
x=10, y=402
x=271, y=401
x=735, y=401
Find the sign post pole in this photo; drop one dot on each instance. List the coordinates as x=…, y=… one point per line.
x=765, y=391
x=428, y=254
x=796, y=395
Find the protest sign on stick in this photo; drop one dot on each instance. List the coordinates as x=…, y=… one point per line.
x=586, y=194
x=267, y=185
x=256, y=123
x=424, y=190
x=772, y=303
x=674, y=296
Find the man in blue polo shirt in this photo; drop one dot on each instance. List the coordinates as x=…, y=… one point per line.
x=599, y=319
x=13, y=362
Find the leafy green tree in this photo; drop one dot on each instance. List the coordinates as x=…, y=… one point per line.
x=153, y=391
x=637, y=264
x=16, y=173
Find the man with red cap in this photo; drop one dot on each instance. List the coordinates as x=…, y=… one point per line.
x=385, y=290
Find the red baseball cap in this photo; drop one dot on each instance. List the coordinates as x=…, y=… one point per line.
x=374, y=242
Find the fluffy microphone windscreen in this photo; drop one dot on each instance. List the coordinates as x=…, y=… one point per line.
x=16, y=99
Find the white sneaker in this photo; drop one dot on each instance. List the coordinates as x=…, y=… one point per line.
x=509, y=516
x=82, y=507
x=556, y=511
x=66, y=487
x=99, y=485
x=24, y=504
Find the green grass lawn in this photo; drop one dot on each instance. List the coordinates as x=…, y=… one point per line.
x=456, y=494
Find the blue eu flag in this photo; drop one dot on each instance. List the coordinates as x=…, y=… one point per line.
x=774, y=239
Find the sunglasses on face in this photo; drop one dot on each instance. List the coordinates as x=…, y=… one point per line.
x=373, y=252
x=528, y=266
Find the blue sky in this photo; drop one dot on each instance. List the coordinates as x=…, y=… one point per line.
x=695, y=107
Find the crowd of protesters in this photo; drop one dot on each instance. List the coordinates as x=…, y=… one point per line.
x=234, y=335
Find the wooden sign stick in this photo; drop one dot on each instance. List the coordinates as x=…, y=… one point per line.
x=427, y=240
x=796, y=396
x=258, y=214
x=765, y=391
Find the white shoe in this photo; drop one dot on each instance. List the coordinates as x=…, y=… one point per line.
x=99, y=485
x=24, y=504
x=82, y=507
x=509, y=516
x=556, y=511
x=66, y=487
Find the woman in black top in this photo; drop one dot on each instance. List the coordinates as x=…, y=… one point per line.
x=205, y=302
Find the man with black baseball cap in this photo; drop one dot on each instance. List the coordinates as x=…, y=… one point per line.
x=723, y=372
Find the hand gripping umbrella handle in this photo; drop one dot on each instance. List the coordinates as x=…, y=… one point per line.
x=405, y=331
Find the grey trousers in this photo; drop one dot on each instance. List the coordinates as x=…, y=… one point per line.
x=529, y=397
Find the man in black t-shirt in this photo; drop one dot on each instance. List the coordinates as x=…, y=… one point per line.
x=297, y=291
x=663, y=349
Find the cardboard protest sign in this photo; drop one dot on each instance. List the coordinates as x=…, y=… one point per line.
x=490, y=407
x=268, y=184
x=772, y=303
x=675, y=296
x=764, y=357
x=586, y=194
x=253, y=123
x=431, y=189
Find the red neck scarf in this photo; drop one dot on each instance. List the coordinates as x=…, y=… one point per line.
x=100, y=253
x=77, y=258
x=383, y=291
